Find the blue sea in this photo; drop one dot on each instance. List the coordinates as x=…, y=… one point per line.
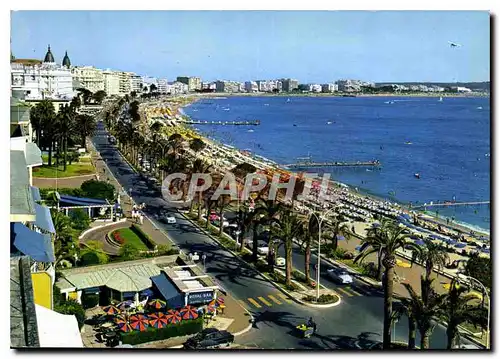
x=447, y=143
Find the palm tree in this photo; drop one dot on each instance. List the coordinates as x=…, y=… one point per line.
x=287, y=229
x=338, y=227
x=308, y=233
x=458, y=309
x=388, y=240
x=65, y=127
x=199, y=166
x=423, y=314
x=86, y=126
x=197, y=144
x=431, y=255
x=265, y=212
x=223, y=203
x=42, y=117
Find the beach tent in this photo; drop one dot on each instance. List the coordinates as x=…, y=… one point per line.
x=57, y=330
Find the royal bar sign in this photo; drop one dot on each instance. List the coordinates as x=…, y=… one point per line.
x=200, y=297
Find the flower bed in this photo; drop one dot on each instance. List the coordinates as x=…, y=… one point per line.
x=124, y=236
x=323, y=299
x=182, y=328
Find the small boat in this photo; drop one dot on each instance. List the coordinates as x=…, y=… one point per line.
x=440, y=99
x=417, y=175
x=408, y=143
x=266, y=104
x=329, y=122
x=288, y=100
x=479, y=108
x=250, y=131
x=294, y=125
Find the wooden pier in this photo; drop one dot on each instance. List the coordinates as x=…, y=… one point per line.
x=222, y=123
x=446, y=204
x=307, y=163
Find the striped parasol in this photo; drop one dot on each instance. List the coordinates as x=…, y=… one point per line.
x=111, y=310
x=126, y=328
x=139, y=322
x=173, y=316
x=120, y=319
x=157, y=320
x=157, y=304
x=189, y=312
x=211, y=308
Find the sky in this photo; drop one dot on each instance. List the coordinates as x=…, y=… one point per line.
x=311, y=46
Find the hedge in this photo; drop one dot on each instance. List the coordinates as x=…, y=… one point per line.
x=323, y=298
x=144, y=236
x=170, y=330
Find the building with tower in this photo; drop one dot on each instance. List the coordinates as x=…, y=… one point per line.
x=42, y=80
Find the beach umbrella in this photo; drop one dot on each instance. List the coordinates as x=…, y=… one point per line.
x=125, y=305
x=157, y=304
x=220, y=301
x=340, y=238
x=358, y=248
x=120, y=320
x=126, y=328
x=375, y=225
x=173, y=316
x=460, y=245
x=485, y=250
x=419, y=242
x=157, y=320
x=111, y=310
x=211, y=309
x=448, y=285
x=188, y=312
x=139, y=322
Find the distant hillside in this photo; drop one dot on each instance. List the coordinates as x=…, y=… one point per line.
x=478, y=86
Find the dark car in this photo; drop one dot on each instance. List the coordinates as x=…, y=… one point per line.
x=209, y=338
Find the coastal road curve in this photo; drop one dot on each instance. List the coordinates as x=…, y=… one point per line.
x=355, y=324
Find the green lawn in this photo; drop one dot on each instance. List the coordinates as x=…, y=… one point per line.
x=75, y=169
x=132, y=239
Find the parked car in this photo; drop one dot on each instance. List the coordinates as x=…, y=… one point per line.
x=171, y=219
x=209, y=338
x=280, y=262
x=340, y=275
x=262, y=248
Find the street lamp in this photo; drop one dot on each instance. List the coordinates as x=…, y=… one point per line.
x=320, y=221
x=472, y=279
x=204, y=256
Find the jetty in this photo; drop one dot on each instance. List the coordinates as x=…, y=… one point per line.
x=306, y=162
x=446, y=204
x=221, y=123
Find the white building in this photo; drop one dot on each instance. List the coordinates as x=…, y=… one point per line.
x=329, y=88
x=315, y=88
x=175, y=88
x=251, y=86
x=461, y=89
x=136, y=83
x=163, y=86
x=147, y=81
x=124, y=82
x=42, y=80
x=111, y=82
x=89, y=77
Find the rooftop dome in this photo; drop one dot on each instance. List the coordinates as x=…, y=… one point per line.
x=49, y=57
x=66, y=62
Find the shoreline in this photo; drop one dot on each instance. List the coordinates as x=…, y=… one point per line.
x=460, y=227
x=216, y=95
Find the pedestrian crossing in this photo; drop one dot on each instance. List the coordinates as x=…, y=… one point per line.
x=270, y=300
x=278, y=298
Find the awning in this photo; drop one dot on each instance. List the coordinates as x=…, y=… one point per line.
x=57, y=330
x=44, y=219
x=36, y=245
x=35, y=192
x=33, y=155
x=81, y=201
x=170, y=292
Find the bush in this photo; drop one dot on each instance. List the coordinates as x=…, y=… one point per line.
x=323, y=298
x=72, y=307
x=184, y=327
x=94, y=258
x=79, y=218
x=98, y=189
x=90, y=300
x=148, y=241
x=298, y=276
x=129, y=252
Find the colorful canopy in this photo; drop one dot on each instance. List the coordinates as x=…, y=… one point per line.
x=211, y=309
x=139, y=322
x=120, y=320
x=125, y=304
x=173, y=316
x=157, y=304
x=126, y=327
x=188, y=312
x=111, y=310
x=158, y=320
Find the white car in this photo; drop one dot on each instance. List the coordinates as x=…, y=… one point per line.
x=263, y=249
x=340, y=275
x=280, y=262
x=171, y=219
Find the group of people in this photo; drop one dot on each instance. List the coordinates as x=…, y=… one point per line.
x=137, y=214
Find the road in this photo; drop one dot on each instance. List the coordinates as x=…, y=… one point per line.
x=356, y=323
